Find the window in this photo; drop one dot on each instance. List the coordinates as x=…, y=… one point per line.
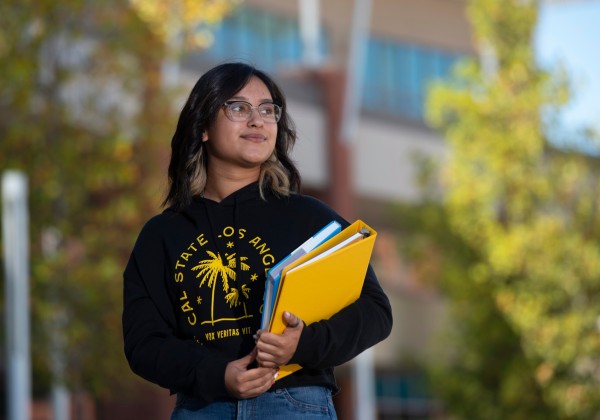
x=404, y=395
x=397, y=76
x=258, y=37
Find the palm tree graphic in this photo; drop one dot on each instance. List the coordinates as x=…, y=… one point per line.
x=233, y=297
x=231, y=262
x=212, y=269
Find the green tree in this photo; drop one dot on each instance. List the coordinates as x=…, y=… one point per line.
x=528, y=212
x=476, y=366
x=84, y=114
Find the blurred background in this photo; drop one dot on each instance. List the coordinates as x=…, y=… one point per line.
x=465, y=132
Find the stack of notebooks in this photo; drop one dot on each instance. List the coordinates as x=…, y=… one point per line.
x=319, y=278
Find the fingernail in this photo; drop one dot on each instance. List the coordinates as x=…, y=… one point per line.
x=276, y=374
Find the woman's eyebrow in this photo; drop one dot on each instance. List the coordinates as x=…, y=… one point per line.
x=243, y=98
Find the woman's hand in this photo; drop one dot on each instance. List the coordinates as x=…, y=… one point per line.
x=274, y=350
x=243, y=383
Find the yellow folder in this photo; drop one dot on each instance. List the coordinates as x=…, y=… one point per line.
x=315, y=290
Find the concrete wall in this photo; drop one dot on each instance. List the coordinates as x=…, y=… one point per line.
x=384, y=164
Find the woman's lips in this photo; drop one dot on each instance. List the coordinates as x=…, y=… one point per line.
x=254, y=137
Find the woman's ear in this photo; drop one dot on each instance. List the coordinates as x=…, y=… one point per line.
x=204, y=136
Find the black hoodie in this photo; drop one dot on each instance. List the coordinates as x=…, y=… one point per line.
x=194, y=285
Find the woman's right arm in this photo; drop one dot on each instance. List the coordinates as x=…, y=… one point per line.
x=152, y=349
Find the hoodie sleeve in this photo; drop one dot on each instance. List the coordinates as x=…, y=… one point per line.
x=362, y=324
x=152, y=349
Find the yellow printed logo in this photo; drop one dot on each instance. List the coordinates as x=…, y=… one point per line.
x=216, y=287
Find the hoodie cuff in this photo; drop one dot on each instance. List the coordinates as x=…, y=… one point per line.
x=211, y=380
x=305, y=345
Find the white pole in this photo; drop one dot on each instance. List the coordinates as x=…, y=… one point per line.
x=310, y=32
x=61, y=398
x=362, y=366
x=364, y=384
x=361, y=19
x=15, y=238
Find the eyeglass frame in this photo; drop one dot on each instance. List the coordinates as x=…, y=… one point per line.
x=278, y=115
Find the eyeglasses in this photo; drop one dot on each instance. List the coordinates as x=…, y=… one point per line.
x=240, y=111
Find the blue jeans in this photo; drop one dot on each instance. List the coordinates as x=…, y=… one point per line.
x=306, y=402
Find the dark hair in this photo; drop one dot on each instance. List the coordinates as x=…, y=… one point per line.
x=187, y=168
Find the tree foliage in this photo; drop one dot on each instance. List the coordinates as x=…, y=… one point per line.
x=529, y=211
x=82, y=113
x=477, y=366
x=185, y=23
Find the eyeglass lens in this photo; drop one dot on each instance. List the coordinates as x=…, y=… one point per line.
x=242, y=111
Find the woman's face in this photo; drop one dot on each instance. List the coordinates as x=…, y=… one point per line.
x=247, y=144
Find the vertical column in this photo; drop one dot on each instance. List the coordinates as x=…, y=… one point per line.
x=15, y=239
x=340, y=194
x=310, y=28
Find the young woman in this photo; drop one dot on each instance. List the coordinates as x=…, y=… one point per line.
x=194, y=284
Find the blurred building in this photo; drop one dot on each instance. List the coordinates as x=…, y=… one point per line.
x=409, y=44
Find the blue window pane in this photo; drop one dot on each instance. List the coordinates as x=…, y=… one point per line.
x=265, y=39
x=398, y=74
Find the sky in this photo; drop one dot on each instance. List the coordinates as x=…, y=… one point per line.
x=568, y=33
